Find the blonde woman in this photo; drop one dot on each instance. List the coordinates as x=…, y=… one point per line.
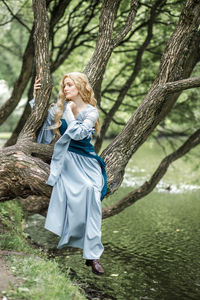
x=77, y=173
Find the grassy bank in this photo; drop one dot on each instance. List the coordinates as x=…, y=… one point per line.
x=38, y=277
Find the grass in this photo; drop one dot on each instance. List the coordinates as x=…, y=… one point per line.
x=5, y=135
x=39, y=277
x=13, y=236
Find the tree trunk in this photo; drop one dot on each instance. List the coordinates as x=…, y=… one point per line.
x=21, y=174
x=127, y=85
x=178, y=61
x=41, y=39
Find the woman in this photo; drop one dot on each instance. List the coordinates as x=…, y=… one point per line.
x=77, y=173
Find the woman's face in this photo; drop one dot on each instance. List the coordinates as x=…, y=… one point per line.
x=70, y=90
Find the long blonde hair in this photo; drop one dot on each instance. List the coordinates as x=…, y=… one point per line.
x=86, y=92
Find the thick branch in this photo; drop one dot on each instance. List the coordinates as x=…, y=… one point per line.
x=180, y=85
x=56, y=14
x=149, y=185
x=34, y=204
x=29, y=175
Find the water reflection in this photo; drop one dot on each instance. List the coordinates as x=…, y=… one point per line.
x=134, y=179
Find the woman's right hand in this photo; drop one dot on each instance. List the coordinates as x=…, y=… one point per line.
x=37, y=86
x=71, y=104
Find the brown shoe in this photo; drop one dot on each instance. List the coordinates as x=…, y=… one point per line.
x=96, y=266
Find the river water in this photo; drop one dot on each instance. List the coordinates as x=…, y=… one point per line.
x=151, y=251
x=151, y=248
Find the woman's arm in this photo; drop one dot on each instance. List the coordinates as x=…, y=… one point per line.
x=78, y=130
x=45, y=136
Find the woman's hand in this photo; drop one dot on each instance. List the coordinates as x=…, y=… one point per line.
x=71, y=104
x=37, y=86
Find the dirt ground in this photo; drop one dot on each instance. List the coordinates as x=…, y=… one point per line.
x=6, y=276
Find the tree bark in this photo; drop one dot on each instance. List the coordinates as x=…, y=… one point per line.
x=41, y=39
x=124, y=89
x=34, y=204
x=105, y=41
x=22, y=174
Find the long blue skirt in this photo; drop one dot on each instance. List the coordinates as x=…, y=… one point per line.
x=74, y=211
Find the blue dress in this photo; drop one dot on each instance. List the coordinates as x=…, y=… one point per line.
x=79, y=183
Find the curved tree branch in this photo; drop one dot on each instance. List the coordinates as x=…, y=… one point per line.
x=123, y=91
x=127, y=27
x=15, y=16
x=149, y=185
x=180, y=85
x=104, y=46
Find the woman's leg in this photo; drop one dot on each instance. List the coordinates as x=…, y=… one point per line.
x=93, y=247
